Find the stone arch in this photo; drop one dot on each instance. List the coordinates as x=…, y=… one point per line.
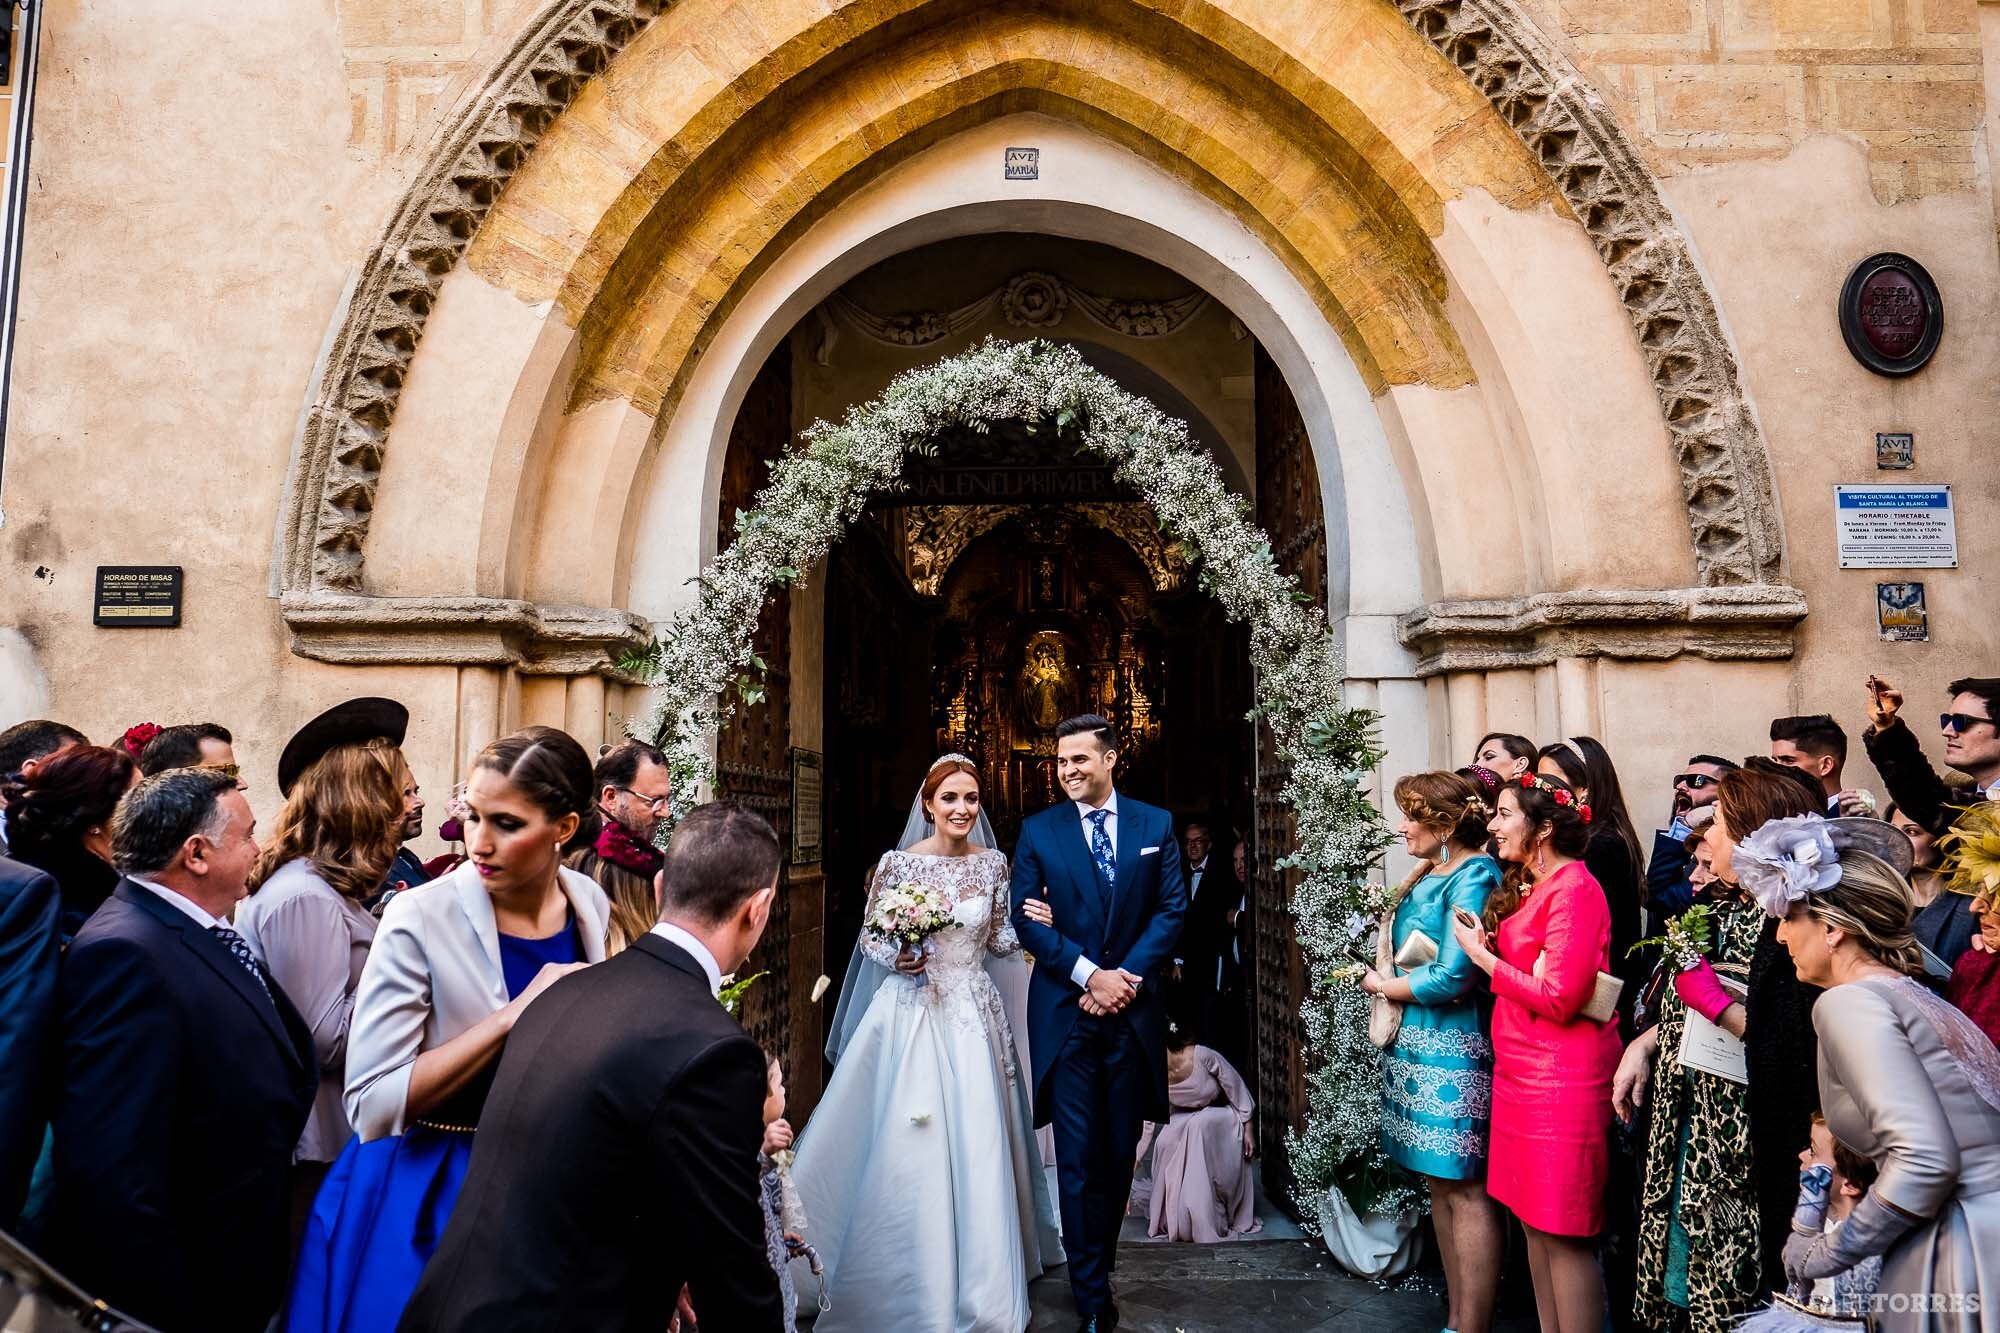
x=551, y=64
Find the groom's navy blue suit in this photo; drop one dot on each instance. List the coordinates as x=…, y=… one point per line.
x=1097, y=1079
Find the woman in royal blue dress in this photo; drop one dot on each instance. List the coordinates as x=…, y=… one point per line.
x=454, y=964
x=1438, y=1075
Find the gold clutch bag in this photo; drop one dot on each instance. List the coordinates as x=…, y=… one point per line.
x=1603, y=1005
x=1420, y=950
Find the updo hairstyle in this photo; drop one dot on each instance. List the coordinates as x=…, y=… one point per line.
x=1446, y=804
x=551, y=769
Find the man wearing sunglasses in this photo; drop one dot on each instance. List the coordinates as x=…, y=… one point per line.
x=1971, y=747
x=1668, y=890
x=193, y=745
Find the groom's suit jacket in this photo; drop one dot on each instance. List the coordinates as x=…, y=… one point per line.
x=616, y=1159
x=1136, y=929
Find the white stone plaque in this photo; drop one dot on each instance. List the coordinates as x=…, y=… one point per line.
x=1895, y=527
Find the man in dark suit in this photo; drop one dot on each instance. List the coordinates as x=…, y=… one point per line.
x=616, y=1160
x=1111, y=873
x=186, y=1075
x=29, y=949
x=1202, y=958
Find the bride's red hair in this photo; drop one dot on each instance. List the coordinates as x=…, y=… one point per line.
x=943, y=769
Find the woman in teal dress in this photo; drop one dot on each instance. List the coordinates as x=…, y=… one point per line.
x=1438, y=1074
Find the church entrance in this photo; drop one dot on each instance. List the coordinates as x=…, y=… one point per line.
x=1007, y=584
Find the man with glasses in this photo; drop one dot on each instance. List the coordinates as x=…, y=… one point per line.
x=1669, y=891
x=633, y=788
x=1971, y=747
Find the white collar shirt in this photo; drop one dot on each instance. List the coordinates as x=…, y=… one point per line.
x=682, y=939
x=188, y=907
x=1084, y=812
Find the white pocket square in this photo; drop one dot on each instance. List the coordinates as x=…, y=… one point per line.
x=1147, y=851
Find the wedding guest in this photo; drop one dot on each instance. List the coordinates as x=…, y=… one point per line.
x=408, y=869
x=342, y=776
x=618, y=1164
x=1816, y=745
x=1505, y=753
x=30, y=946
x=774, y=1187
x=1971, y=747
x=1668, y=892
x=632, y=794
x=191, y=745
x=454, y=965
x=1833, y=1178
x=1437, y=1075
x=1612, y=855
x=1549, y=1155
x=24, y=747
x=1203, y=1190
x=1197, y=997
x=186, y=1076
x=1699, y=1260
x=1905, y=1079
x=1943, y=923
x=59, y=814
x=1974, y=860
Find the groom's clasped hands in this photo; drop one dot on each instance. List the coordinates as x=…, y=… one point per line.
x=1110, y=988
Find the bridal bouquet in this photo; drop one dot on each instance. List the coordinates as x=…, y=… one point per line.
x=909, y=913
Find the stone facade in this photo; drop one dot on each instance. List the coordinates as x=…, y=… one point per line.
x=413, y=329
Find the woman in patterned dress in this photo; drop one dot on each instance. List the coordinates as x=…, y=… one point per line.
x=1698, y=1261
x=1437, y=1076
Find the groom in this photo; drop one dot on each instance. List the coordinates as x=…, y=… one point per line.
x=1097, y=1023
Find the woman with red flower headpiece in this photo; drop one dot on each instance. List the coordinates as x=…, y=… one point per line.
x=1554, y=1044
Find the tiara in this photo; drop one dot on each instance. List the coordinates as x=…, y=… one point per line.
x=953, y=757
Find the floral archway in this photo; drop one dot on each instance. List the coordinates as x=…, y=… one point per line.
x=703, y=664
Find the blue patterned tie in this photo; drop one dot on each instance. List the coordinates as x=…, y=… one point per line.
x=240, y=951
x=1100, y=852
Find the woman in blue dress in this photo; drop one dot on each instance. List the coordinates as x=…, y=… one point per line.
x=454, y=964
x=1438, y=1075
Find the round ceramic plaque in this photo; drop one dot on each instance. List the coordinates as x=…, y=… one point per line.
x=1891, y=314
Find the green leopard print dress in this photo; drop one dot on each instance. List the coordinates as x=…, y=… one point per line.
x=1698, y=1169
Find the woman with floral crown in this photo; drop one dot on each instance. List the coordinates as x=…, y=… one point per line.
x=919, y=1172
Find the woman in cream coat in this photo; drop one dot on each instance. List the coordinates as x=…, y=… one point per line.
x=455, y=963
x=1905, y=1080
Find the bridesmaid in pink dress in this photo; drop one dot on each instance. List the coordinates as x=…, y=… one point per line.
x=1202, y=1189
x=1552, y=1066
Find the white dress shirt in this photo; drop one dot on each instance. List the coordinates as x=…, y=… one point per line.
x=183, y=904
x=1085, y=969
x=682, y=939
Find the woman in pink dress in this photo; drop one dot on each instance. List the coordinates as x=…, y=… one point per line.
x=1202, y=1189
x=1552, y=1065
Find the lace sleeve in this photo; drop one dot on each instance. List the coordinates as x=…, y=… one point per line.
x=877, y=948
x=1001, y=941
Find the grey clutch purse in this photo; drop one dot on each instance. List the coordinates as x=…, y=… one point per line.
x=1419, y=950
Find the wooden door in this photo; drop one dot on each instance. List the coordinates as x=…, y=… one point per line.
x=754, y=767
x=1289, y=511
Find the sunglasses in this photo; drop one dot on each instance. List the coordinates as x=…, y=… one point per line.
x=1961, y=722
x=1695, y=781
x=234, y=772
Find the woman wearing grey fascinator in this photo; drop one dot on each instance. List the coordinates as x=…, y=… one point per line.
x=1905, y=1080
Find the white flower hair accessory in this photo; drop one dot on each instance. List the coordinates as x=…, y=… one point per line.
x=1785, y=860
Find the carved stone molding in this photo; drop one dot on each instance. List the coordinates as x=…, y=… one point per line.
x=1734, y=624
x=462, y=631
x=1028, y=301
x=483, y=142
x=486, y=137
x=1725, y=471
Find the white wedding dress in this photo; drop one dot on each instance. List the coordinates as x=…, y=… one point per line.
x=919, y=1173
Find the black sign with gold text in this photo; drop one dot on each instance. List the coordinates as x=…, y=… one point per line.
x=138, y=597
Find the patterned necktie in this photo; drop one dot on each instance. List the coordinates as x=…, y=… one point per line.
x=240, y=951
x=1100, y=852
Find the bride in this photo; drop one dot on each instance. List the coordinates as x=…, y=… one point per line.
x=919, y=1173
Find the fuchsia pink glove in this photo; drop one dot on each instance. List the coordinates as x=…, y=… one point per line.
x=1701, y=990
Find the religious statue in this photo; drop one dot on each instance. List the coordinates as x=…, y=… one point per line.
x=1045, y=683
